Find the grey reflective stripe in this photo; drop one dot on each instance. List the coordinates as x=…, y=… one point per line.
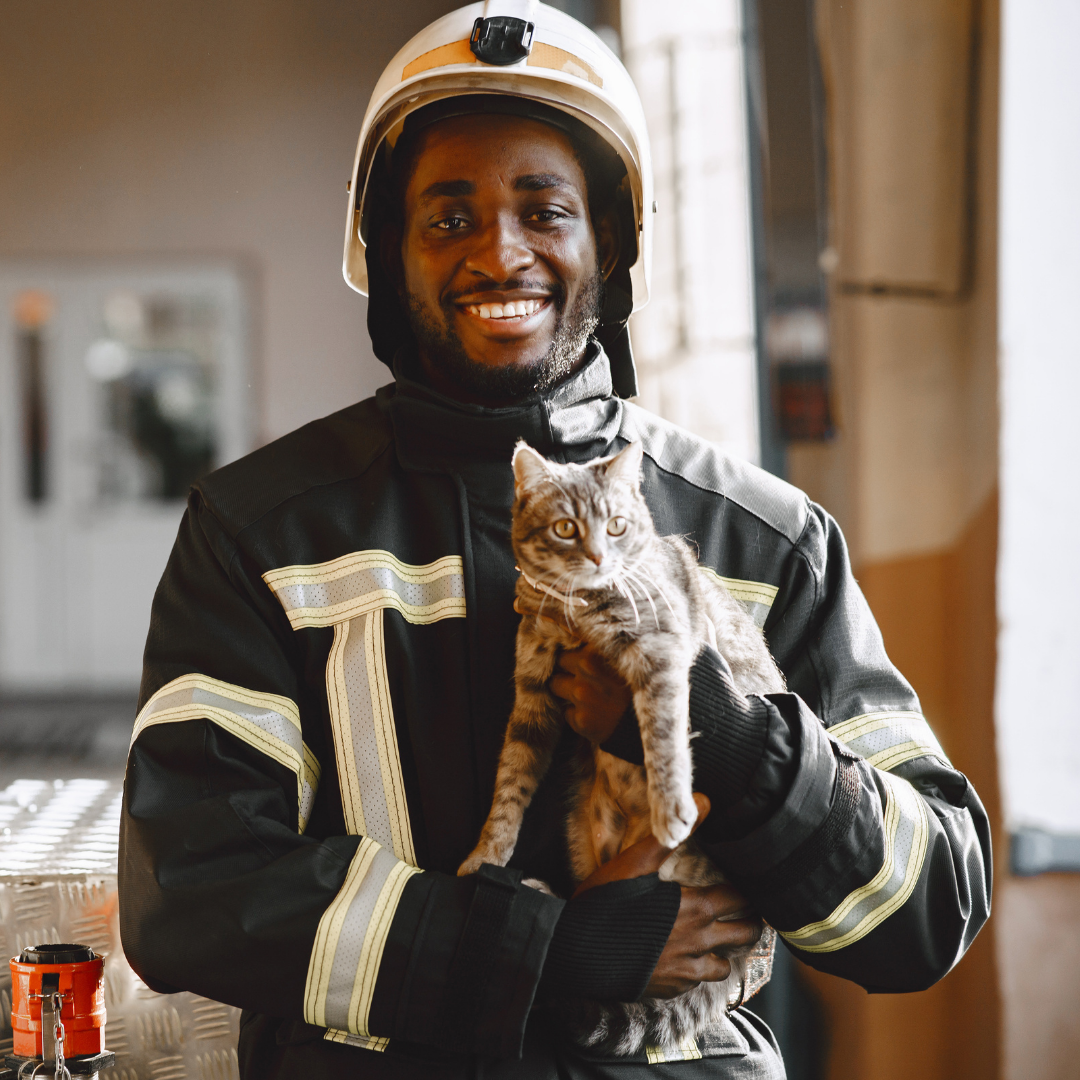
x=362, y=760
x=755, y=596
x=268, y=722
x=905, y=832
x=325, y=594
x=887, y=739
x=350, y=944
x=350, y=940
x=352, y=593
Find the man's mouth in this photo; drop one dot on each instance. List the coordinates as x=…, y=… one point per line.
x=513, y=309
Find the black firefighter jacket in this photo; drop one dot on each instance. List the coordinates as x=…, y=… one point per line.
x=328, y=676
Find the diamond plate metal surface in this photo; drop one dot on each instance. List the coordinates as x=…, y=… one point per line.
x=58, y=851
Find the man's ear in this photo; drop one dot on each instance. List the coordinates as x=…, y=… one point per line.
x=608, y=241
x=625, y=466
x=390, y=255
x=530, y=468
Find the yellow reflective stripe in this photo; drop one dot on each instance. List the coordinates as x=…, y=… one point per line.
x=340, y=723
x=324, y=594
x=365, y=736
x=350, y=940
x=268, y=722
x=386, y=739
x=351, y=593
x=906, y=832
x=887, y=739
x=369, y=1042
x=686, y=1051
x=756, y=596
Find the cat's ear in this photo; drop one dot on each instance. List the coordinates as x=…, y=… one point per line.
x=530, y=468
x=625, y=466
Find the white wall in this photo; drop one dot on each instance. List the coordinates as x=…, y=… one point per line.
x=200, y=130
x=1038, y=692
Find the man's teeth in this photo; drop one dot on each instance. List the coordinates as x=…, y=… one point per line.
x=514, y=310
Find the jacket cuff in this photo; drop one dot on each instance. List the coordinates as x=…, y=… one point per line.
x=462, y=962
x=608, y=941
x=730, y=731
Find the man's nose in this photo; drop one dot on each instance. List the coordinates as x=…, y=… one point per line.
x=501, y=251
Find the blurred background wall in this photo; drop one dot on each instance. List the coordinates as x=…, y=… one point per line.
x=827, y=292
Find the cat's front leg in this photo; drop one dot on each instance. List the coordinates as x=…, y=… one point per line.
x=662, y=703
x=531, y=737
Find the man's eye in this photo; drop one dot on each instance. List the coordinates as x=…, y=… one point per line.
x=616, y=526
x=548, y=216
x=451, y=224
x=564, y=529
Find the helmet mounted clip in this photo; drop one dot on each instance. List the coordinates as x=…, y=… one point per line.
x=501, y=40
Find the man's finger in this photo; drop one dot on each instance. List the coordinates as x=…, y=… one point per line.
x=644, y=857
x=717, y=902
x=725, y=938
x=564, y=687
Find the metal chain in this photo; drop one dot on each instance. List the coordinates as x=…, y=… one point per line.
x=61, y=1071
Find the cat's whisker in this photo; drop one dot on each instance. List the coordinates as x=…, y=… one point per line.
x=631, y=576
x=663, y=595
x=618, y=582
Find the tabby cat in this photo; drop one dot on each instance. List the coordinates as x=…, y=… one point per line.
x=586, y=545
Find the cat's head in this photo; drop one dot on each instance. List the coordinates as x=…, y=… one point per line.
x=579, y=526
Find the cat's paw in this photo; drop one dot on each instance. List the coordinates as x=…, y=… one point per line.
x=538, y=885
x=672, y=819
x=471, y=864
x=484, y=853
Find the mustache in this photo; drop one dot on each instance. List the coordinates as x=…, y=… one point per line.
x=556, y=291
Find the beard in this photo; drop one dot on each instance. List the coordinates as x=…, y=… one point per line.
x=510, y=382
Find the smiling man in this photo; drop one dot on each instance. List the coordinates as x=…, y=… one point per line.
x=500, y=267
x=329, y=668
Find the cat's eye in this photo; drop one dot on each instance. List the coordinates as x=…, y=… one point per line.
x=565, y=529
x=616, y=526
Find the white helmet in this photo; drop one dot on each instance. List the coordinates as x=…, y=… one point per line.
x=526, y=50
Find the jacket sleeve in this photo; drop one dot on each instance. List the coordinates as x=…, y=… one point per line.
x=852, y=832
x=222, y=891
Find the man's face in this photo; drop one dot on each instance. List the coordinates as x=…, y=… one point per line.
x=500, y=265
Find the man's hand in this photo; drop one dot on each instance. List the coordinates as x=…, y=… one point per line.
x=712, y=923
x=595, y=696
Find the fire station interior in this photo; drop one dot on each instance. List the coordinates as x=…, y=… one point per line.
x=865, y=264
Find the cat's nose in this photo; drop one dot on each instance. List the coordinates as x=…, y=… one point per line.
x=596, y=556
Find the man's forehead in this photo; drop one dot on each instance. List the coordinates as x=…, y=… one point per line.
x=455, y=154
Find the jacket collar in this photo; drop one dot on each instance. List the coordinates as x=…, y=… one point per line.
x=575, y=421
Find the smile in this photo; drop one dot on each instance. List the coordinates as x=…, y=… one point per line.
x=514, y=309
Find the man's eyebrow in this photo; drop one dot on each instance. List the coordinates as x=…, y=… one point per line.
x=450, y=189
x=541, y=182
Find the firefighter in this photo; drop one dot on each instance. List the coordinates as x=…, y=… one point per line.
x=328, y=672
